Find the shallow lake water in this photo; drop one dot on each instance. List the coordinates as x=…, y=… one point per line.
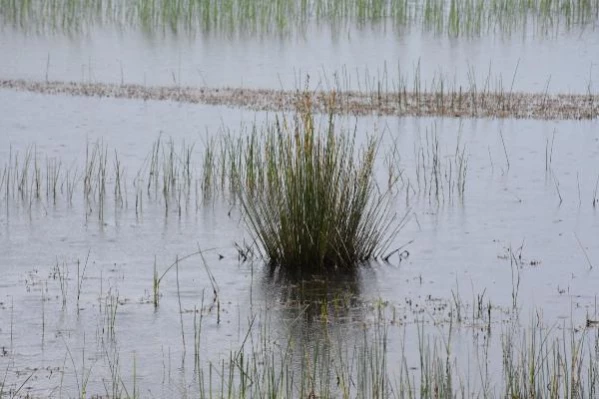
x=528, y=61
x=77, y=311
x=460, y=248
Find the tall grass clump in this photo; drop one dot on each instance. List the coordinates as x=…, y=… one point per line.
x=311, y=199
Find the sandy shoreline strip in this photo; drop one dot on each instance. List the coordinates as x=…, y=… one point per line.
x=467, y=104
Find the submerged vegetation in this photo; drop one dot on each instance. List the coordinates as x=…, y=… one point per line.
x=263, y=17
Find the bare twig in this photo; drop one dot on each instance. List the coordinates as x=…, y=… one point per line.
x=505, y=150
x=557, y=189
x=584, y=252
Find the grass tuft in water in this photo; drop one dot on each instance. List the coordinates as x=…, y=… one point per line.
x=318, y=208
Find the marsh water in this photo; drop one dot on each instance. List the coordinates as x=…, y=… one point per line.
x=523, y=61
x=77, y=296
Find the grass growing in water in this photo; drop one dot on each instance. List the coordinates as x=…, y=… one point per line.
x=318, y=208
x=280, y=17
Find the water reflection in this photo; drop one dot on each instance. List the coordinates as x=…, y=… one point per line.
x=319, y=323
x=315, y=297
x=315, y=311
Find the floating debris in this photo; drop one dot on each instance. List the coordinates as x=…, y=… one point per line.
x=458, y=104
x=592, y=323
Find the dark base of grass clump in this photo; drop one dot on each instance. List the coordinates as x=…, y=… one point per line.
x=316, y=295
x=310, y=197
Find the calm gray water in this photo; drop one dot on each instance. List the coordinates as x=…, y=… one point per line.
x=460, y=247
x=534, y=63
